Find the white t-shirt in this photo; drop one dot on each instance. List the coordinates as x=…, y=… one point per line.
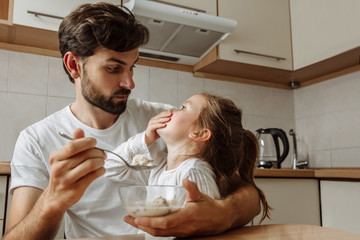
x=194, y=169
x=99, y=211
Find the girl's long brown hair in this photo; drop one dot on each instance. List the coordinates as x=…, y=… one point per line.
x=232, y=151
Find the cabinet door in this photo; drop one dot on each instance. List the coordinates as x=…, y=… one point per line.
x=3, y=191
x=5, y=11
x=340, y=205
x=207, y=6
x=322, y=29
x=294, y=201
x=263, y=28
x=57, y=9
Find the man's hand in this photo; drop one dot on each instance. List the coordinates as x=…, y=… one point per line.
x=37, y=214
x=72, y=169
x=159, y=121
x=201, y=215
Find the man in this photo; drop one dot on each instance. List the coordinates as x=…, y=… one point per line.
x=53, y=178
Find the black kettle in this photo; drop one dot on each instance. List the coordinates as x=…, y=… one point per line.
x=270, y=156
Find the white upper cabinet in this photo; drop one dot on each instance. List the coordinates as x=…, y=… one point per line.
x=262, y=36
x=207, y=6
x=323, y=29
x=274, y=34
x=50, y=12
x=45, y=14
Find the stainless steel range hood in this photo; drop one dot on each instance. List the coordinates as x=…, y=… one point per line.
x=178, y=34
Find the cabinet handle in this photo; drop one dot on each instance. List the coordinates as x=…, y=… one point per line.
x=259, y=54
x=44, y=14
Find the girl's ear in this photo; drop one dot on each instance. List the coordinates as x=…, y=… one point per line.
x=71, y=62
x=202, y=136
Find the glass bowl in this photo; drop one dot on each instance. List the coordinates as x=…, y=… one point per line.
x=151, y=201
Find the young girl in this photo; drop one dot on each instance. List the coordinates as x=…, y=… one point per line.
x=206, y=143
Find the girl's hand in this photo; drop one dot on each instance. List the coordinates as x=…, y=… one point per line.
x=159, y=121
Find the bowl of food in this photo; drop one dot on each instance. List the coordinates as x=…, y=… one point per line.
x=152, y=201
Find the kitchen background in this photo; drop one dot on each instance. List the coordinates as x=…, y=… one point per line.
x=317, y=39
x=325, y=116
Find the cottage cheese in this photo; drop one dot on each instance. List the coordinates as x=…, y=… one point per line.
x=158, y=207
x=141, y=160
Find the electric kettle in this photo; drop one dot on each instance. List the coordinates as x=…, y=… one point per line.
x=270, y=148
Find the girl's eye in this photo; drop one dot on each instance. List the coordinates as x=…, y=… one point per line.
x=182, y=107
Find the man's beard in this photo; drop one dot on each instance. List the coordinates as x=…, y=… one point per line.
x=92, y=95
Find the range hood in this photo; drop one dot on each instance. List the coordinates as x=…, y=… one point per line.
x=178, y=34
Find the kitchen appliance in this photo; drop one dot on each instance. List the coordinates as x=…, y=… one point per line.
x=272, y=151
x=303, y=153
x=179, y=34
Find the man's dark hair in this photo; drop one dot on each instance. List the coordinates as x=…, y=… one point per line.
x=101, y=24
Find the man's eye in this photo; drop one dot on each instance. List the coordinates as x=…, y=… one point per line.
x=113, y=69
x=132, y=67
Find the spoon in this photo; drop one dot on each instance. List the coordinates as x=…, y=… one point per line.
x=136, y=167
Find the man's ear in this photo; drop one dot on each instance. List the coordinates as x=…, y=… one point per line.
x=71, y=62
x=202, y=136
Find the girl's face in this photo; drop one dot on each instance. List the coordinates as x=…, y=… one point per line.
x=183, y=121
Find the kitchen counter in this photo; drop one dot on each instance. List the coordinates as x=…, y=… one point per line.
x=263, y=232
x=285, y=173
x=339, y=173
x=4, y=168
x=321, y=173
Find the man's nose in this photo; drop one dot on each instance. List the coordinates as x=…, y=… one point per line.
x=127, y=81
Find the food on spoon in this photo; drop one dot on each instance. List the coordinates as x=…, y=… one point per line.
x=141, y=160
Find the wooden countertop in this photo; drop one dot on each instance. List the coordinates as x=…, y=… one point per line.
x=339, y=173
x=4, y=168
x=263, y=232
x=321, y=173
x=285, y=173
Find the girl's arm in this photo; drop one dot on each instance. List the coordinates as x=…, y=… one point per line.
x=142, y=143
x=117, y=170
x=201, y=173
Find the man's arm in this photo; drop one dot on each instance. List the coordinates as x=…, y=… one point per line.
x=246, y=203
x=203, y=215
x=37, y=214
x=29, y=218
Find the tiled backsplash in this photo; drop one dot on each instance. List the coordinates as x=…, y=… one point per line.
x=33, y=86
x=327, y=116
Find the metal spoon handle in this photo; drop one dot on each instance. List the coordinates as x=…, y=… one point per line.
x=70, y=138
x=121, y=158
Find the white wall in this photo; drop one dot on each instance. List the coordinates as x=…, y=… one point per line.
x=328, y=118
x=34, y=86
x=327, y=114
